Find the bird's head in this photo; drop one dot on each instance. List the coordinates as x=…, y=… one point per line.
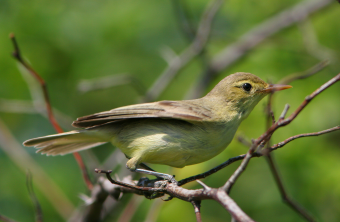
x=242, y=91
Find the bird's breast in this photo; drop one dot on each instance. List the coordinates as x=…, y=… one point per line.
x=171, y=142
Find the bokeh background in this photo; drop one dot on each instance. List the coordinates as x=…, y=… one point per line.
x=71, y=41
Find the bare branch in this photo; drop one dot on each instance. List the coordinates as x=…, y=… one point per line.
x=266, y=29
x=294, y=205
x=43, y=181
x=130, y=209
x=188, y=54
x=214, y=170
x=228, y=203
x=17, y=55
x=281, y=144
x=38, y=210
x=183, y=21
x=105, y=82
x=305, y=74
x=284, y=112
x=312, y=44
x=154, y=210
x=232, y=53
x=197, y=208
x=265, y=136
x=244, y=141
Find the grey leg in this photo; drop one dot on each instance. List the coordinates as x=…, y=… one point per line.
x=165, y=176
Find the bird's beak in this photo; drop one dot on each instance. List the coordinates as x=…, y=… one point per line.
x=275, y=87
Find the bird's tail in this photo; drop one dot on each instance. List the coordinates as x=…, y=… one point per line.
x=64, y=143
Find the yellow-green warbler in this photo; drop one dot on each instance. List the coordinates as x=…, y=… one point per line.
x=174, y=133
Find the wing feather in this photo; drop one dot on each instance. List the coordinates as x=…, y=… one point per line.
x=185, y=110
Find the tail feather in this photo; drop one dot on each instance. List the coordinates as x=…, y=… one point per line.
x=64, y=143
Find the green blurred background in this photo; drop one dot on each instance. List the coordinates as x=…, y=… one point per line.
x=69, y=41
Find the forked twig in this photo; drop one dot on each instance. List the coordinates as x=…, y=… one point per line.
x=293, y=204
x=194, y=49
x=17, y=55
x=221, y=194
x=197, y=207
x=280, y=123
x=215, y=169
x=237, y=50
x=255, y=154
x=187, y=195
x=281, y=144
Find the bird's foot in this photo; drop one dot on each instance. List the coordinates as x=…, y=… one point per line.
x=165, y=176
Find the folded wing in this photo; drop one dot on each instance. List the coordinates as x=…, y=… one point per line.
x=184, y=110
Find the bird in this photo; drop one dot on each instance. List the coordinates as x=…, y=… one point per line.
x=174, y=133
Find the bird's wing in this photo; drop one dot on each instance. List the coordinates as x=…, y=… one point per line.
x=183, y=110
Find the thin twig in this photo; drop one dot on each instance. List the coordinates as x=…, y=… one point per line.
x=37, y=206
x=128, y=185
x=294, y=205
x=313, y=45
x=105, y=82
x=265, y=136
x=235, y=51
x=184, y=194
x=184, y=22
x=305, y=74
x=268, y=156
x=284, y=112
x=188, y=54
x=43, y=181
x=241, y=157
x=130, y=209
x=286, y=141
x=208, y=193
x=244, y=141
x=197, y=208
x=154, y=210
x=17, y=55
x=29, y=107
x=214, y=170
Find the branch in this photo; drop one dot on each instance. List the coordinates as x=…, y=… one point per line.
x=305, y=74
x=215, y=169
x=197, y=208
x=17, y=55
x=183, y=22
x=280, y=123
x=105, y=82
x=188, y=54
x=38, y=210
x=281, y=144
x=294, y=205
x=234, y=52
x=43, y=181
x=155, y=186
x=264, y=30
x=29, y=107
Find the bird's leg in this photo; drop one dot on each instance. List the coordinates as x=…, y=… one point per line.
x=133, y=163
x=143, y=165
x=165, y=176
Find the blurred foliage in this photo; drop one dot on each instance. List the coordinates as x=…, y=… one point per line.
x=68, y=41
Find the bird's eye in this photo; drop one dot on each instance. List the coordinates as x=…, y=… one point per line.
x=247, y=87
